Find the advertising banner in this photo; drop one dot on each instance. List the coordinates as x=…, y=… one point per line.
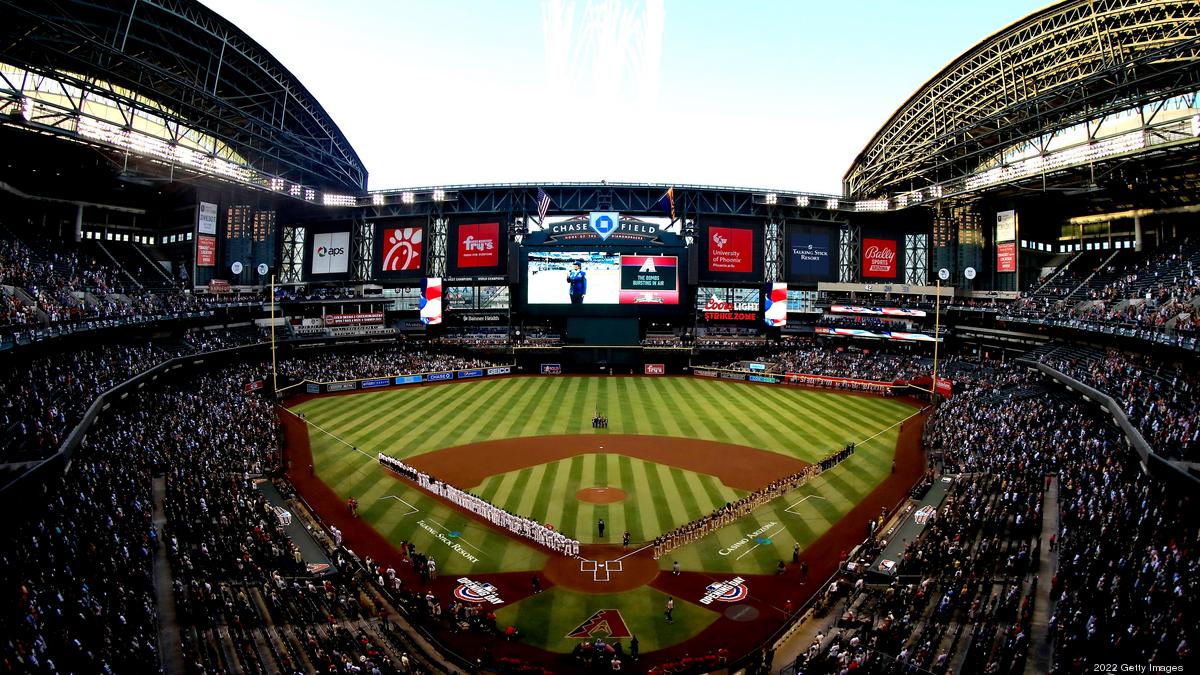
x=478, y=245
x=730, y=249
x=206, y=218
x=656, y=369
x=768, y=379
x=341, y=386
x=464, y=374
x=705, y=373
x=402, y=249
x=716, y=309
x=206, y=251
x=330, y=253
x=883, y=311
x=502, y=370
x=408, y=379
x=812, y=253
x=879, y=258
x=439, y=377
x=604, y=223
x=724, y=375
x=551, y=369
x=383, y=382
x=1006, y=256
x=1006, y=241
x=353, y=319
x=312, y=388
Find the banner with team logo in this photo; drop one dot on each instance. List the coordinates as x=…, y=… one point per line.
x=649, y=280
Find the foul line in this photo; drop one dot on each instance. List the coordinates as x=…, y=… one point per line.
x=757, y=545
x=630, y=553
x=332, y=435
x=414, y=509
x=789, y=508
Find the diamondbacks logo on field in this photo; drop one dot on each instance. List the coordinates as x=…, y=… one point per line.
x=923, y=514
x=606, y=623
x=476, y=591
x=733, y=590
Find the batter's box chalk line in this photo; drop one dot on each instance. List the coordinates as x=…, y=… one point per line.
x=789, y=509
x=412, y=509
x=600, y=571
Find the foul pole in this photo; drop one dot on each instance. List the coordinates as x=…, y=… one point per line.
x=274, y=377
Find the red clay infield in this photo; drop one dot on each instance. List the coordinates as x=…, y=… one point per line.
x=468, y=465
x=754, y=468
x=600, y=495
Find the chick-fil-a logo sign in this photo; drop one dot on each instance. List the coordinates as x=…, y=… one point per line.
x=879, y=258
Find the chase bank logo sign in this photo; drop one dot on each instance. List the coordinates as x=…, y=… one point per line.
x=604, y=223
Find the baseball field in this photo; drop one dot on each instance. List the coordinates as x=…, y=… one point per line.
x=675, y=449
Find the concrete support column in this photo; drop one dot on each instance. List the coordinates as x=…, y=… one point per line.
x=1137, y=233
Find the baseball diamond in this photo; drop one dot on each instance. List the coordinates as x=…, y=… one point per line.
x=676, y=449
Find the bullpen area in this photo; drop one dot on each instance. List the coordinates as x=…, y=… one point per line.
x=674, y=450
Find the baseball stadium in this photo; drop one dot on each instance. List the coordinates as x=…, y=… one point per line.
x=262, y=416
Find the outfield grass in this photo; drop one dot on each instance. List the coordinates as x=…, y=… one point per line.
x=554, y=502
x=801, y=516
x=801, y=423
x=406, y=422
x=545, y=619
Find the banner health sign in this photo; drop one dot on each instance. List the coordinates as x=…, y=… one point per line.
x=812, y=253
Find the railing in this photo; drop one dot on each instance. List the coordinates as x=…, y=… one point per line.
x=1152, y=462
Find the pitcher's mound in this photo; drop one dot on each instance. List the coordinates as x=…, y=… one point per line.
x=600, y=495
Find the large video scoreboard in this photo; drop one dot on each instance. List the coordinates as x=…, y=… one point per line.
x=604, y=264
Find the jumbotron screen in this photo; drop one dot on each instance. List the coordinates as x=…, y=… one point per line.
x=601, y=278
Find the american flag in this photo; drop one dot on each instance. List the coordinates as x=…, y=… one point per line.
x=543, y=203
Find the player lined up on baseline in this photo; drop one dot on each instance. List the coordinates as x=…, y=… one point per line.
x=519, y=525
x=731, y=512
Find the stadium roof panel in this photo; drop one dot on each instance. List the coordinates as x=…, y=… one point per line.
x=195, y=64
x=1074, y=61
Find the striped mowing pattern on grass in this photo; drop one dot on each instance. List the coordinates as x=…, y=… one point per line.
x=658, y=497
x=801, y=516
x=797, y=422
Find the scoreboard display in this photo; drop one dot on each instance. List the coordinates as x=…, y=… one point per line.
x=649, y=280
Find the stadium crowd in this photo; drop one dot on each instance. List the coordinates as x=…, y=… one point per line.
x=334, y=366
x=518, y=525
x=1162, y=402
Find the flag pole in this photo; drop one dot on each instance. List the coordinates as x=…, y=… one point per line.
x=274, y=374
x=937, y=323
